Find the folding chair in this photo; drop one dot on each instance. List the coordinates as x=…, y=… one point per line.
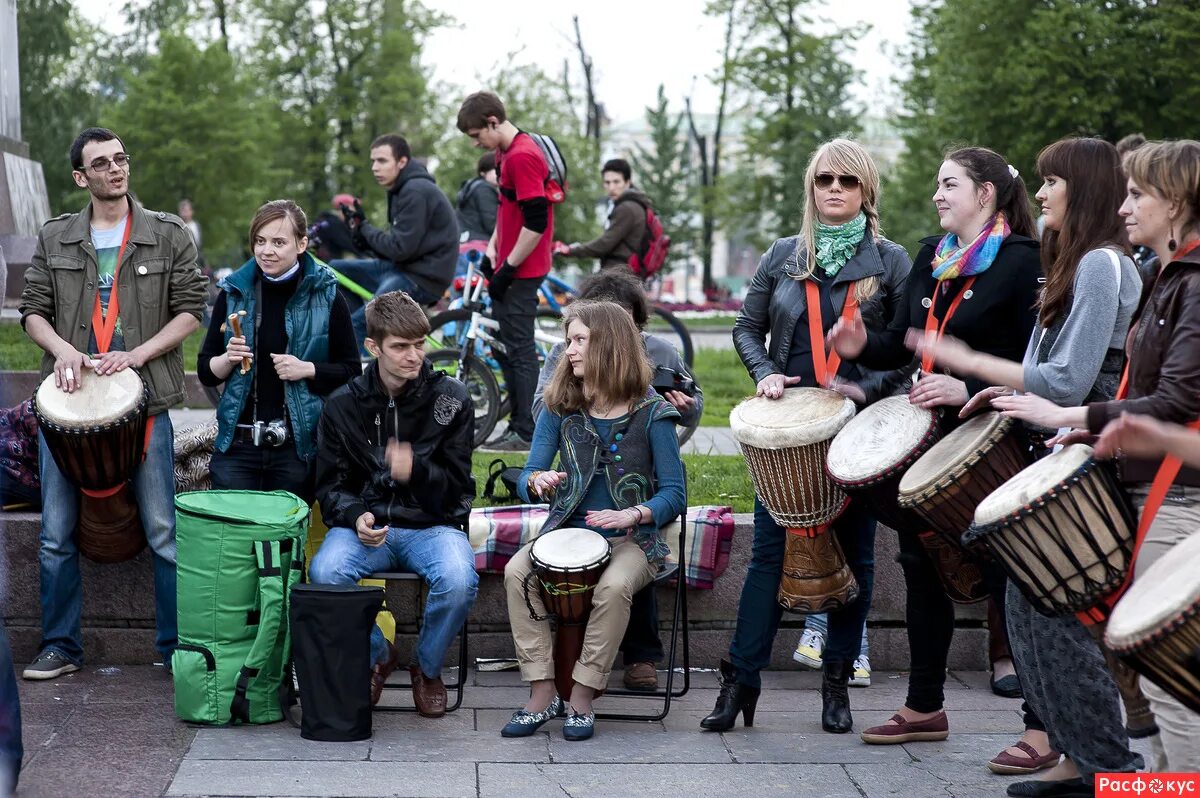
x=679, y=621
x=458, y=685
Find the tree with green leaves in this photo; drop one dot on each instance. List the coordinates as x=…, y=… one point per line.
x=796, y=85
x=57, y=94
x=1017, y=76
x=196, y=127
x=663, y=173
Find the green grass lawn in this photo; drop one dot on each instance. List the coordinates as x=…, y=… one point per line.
x=725, y=383
x=712, y=479
x=18, y=353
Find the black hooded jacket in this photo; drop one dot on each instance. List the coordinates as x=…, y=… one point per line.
x=434, y=414
x=423, y=237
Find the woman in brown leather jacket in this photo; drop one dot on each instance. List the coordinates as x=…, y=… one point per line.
x=1162, y=212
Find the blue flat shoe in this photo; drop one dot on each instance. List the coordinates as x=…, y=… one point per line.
x=579, y=727
x=523, y=723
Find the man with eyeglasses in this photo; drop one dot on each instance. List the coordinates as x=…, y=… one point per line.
x=112, y=287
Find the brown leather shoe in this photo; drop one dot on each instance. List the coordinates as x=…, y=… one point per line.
x=641, y=676
x=899, y=730
x=1030, y=761
x=428, y=694
x=380, y=672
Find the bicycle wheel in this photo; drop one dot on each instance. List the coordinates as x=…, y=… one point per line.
x=684, y=434
x=448, y=329
x=666, y=324
x=481, y=385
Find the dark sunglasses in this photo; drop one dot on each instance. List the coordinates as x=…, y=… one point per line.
x=825, y=180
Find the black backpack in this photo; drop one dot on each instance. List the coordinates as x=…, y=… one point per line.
x=498, y=471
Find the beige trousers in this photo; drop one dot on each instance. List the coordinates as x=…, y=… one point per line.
x=1178, y=518
x=627, y=572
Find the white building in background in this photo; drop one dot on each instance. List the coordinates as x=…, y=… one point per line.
x=734, y=261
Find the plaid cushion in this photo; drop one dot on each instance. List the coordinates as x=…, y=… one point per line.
x=498, y=532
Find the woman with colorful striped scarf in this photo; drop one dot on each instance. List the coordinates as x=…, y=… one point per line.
x=978, y=281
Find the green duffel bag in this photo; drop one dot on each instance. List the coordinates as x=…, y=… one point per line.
x=239, y=554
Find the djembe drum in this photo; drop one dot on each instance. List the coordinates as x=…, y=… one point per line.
x=1155, y=627
x=567, y=564
x=785, y=442
x=97, y=436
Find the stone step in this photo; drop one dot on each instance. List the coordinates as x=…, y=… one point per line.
x=118, y=610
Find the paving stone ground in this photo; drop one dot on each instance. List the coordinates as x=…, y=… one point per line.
x=105, y=733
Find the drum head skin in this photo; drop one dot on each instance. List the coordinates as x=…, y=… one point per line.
x=801, y=417
x=1032, y=483
x=1164, y=594
x=97, y=401
x=570, y=547
x=948, y=454
x=878, y=439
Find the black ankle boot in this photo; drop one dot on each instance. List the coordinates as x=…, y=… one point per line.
x=835, y=698
x=734, y=698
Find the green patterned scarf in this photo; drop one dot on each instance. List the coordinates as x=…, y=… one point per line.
x=837, y=243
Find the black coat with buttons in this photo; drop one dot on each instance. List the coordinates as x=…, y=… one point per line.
x=997, y=318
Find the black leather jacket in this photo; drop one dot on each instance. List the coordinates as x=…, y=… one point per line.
x=776, y=299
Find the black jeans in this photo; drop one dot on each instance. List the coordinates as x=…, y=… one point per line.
x=249, y=467
x=759, y=610
x=929, y=615
x=519, y=361
x=642, y=642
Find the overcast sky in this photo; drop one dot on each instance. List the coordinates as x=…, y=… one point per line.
x=634, y=44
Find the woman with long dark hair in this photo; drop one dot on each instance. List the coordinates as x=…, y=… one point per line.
x=977, y=282
x=1161, y=211
x=1074, y=355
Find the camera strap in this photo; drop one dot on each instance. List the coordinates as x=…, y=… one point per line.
x=258, y=314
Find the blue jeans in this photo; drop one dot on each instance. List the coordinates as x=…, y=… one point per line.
x=378, y=277
x=759, y=612
x=442, y=556
x=62, y=590
x=11, y=751
x=820, y=623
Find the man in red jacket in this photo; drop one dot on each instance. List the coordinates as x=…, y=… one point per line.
x=519, y=249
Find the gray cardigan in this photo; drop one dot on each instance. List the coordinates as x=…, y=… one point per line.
x=1064, y=362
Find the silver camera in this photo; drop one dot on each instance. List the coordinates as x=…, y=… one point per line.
x=270, y=433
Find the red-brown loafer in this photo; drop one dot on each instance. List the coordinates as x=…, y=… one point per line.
x=1007, y=764
x=428, y=694
x=380, y=672
x=900, y=730
x=641, y=676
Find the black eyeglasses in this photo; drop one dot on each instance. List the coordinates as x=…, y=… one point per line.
x=825, y=180
x=102, y=165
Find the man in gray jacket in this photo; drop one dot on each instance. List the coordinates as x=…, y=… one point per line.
x=416, y=253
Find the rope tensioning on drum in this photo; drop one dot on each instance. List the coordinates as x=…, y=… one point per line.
x=565, y=588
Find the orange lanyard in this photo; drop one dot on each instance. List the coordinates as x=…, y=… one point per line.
x=104, y=325
x=931, y=323
x=825, y=367
x=1163, y=479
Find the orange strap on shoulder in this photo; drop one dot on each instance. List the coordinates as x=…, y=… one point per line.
x=104, y=325
x=825, y=367
x=931, y=322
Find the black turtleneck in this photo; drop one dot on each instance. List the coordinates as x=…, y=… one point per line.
x=343, y=365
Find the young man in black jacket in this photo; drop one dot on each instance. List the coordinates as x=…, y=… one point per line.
x=395, y=486
x=417, y=252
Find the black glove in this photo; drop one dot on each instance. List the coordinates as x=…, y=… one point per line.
x=499, y=283
x=360, y=241
x=353, y=216
x=485, y=267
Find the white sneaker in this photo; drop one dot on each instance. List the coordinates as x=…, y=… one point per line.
x=808, y=650
x=862, y=672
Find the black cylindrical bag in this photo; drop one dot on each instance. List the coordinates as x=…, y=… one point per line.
x=331, y=647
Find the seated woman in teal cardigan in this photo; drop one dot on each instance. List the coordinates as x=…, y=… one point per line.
x=621, y=476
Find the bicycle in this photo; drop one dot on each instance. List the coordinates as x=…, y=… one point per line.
x=472, y=337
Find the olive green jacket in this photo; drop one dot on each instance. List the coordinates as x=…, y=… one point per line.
x=158, y=280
